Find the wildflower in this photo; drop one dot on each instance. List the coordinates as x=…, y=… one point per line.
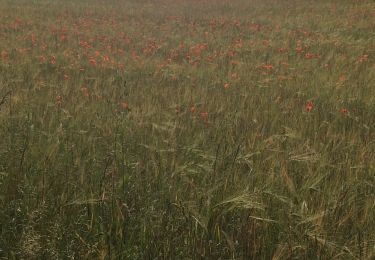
x=58, y=100
x=226, y=85
x=342, y=77
x=66, y=77
x=93, y=61
x=231, y=53
x=309, y=106
x=204, y=115
x=4, y=55
x=42, y=59
x=53, y=60
x=266, y=43
x=267, y=67
x=344, y=111
x=363, y=58
x=203, y=46
x=85, y=91
x=181, y=46
x=309, y=56
x=234, y=75
x=33, y=38
x=106, y=58
x=193, y=109
x=233, y=62
x=125, y=105
x=299, y=49
x=239, y=43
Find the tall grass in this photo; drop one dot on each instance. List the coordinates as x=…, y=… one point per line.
x=187, y=129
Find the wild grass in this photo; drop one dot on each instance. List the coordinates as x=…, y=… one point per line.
x=187, y=129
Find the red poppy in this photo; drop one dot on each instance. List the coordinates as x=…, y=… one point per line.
x=53, y=60
x=267, y=67
x=204, y=115
x=231, y=53
x=299, y=49
x=58, y=100
x=125, y=105
x=309, y=106
x=344, y=111
x=85, y=91
x=363, y=58
x=93, y=61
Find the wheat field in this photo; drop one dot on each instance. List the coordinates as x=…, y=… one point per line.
x=174, y=129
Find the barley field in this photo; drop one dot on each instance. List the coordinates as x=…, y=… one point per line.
x=175, y=129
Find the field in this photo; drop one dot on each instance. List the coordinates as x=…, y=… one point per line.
x=174, y=129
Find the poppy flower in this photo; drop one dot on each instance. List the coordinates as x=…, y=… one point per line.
x=344, y=111
x=93, y=61
x=85, y=91
x=363, y=58
x=53, y=60
x=309, y=106
x=309, y=56
x=204, y=115
x=125, y=105
x=58, y=100
x=299, y=49
x=267, y=67
x=231, y=53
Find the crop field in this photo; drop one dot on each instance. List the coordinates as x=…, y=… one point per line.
x=176, y=129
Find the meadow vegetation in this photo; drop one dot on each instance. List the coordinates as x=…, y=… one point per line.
x=196, y=129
